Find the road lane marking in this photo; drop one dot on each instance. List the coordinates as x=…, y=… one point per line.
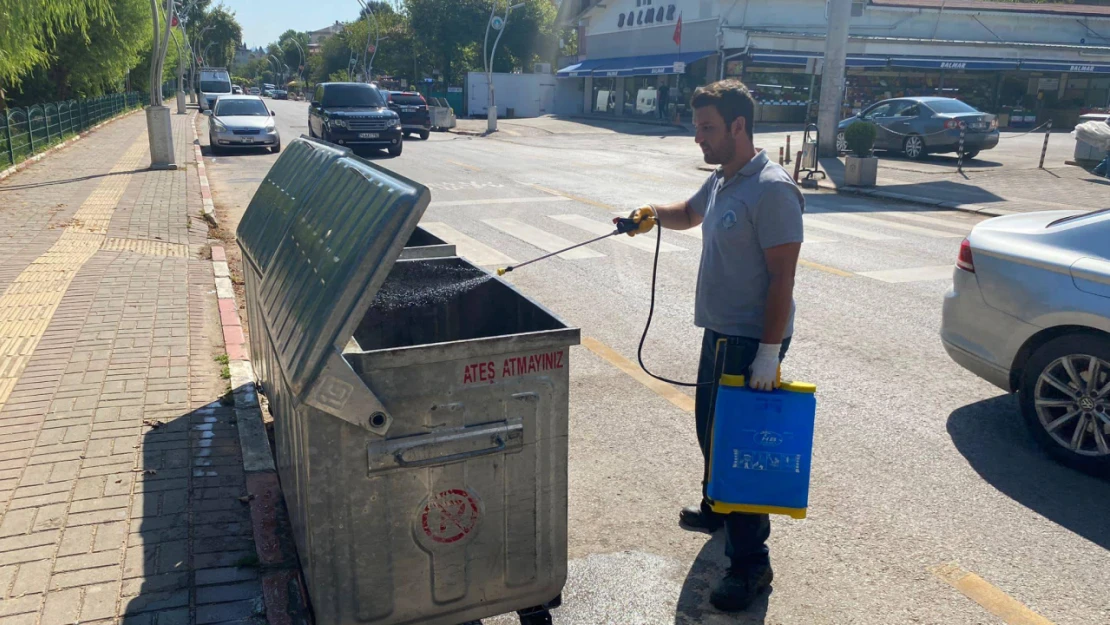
x=662, y=389
x=884, y=223
x=540, y=238
x=819, y=267
x=954, y=224
x=598, y=228
x=473, y=250
x=580, y=200
x=812, y=221
x=465, y=166
x=499, y=200
x=911, y=274
x=986, y=594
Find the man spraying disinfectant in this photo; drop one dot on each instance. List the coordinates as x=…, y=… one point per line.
x=750, y=213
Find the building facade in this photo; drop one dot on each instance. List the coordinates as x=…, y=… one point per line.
x=1025, y=62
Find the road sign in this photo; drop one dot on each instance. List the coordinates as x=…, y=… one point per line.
x=497, y=23
x=370, y=48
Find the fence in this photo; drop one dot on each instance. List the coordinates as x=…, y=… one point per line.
x=27, y=131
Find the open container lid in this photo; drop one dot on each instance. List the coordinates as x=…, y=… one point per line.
x=324, y=231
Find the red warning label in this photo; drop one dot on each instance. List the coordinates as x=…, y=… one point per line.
x=449, y=516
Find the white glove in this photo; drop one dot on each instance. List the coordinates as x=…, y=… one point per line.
x=765, y=367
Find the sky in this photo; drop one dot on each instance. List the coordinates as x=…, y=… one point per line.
x=264, y=20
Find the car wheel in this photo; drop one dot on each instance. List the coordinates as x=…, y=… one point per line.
x=841, y=142
x=970, y=155
x=311, y=132
x=396, y=150
x=424, y=135
x=276, y=148
x=914, y=147
x=213, y=147
x=1065, y=400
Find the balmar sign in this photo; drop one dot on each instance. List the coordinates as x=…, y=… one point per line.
x=953, y=65
x=646, y=13
x=1082, y=68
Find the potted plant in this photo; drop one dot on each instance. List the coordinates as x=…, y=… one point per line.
x=860, y=167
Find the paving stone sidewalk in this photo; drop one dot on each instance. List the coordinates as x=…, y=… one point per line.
x=122, y=490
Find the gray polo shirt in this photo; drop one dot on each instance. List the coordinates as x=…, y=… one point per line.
x=758, y=208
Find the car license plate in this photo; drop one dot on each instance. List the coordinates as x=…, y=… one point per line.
x=248, y=140
x=367, y=135
x=408, y=109
x=978, y=125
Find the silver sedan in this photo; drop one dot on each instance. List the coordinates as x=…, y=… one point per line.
x=242, y=121
x=1029, y=311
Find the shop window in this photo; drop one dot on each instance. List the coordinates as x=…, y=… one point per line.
x=659, y=14
x=637, y=2
x=650, y=17
x=620, y=21
x=670, y=12
x=857, y=7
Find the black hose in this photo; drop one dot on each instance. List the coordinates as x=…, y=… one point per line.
x=651, y=312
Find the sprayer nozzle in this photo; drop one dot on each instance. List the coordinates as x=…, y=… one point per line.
x=502, y=271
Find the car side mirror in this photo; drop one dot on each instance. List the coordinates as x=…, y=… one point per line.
x=208, y=112
x=273, y=114
x=315, y=103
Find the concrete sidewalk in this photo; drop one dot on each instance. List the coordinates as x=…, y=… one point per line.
x=122, y=487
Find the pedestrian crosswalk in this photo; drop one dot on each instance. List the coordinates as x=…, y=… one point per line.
x=554, y=232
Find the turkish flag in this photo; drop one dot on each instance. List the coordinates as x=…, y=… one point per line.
x=678, y=31
x=173, y=21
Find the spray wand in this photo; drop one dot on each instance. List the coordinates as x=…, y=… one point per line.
x=624, y=226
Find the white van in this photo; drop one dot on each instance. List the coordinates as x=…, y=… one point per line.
x=214, y=82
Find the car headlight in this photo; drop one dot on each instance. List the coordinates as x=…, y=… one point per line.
x=271, y=126
x=220, y=127
x=339, y=123
x=393, y=121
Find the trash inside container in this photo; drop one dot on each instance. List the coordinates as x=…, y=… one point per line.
x=420, y=412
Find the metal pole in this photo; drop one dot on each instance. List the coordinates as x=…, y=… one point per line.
x=960, y=154
x=787, y=149
x=491, y=112
x=832, y=75
x=1044, y=148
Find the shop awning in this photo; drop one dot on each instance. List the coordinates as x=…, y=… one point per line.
x=953, y=63
x=800, y=59
x=577, y=70
x=1066, y=66
x=648, y=65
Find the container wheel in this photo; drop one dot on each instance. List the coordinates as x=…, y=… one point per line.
x=535, y=616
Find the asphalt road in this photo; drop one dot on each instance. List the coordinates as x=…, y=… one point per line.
x=922, y=472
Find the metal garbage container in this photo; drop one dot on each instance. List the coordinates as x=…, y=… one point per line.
x=420, y=406
x=424, y=244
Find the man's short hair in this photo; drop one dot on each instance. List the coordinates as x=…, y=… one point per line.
x=731, y=99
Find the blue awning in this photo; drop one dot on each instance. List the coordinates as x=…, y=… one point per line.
x=577, y=70
x=1066, y=66
x=648, y=65
x=953, y=63
x=800, y=59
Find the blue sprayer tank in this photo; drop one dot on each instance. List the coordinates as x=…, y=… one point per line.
x=761, y=448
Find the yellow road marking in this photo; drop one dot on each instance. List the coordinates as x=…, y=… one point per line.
x=576, y=198
x=664, y=390
x=28, y=304
x=465, y=166
x=979, y=590
x=819, y=267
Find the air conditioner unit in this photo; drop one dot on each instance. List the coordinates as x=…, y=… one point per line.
x=541, y=68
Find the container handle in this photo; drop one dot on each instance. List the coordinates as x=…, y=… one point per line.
x=446, y=446
x=499, y=446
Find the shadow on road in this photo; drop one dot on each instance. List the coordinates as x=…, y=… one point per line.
x=693, y=601
x=993, y=438
x=49, y=183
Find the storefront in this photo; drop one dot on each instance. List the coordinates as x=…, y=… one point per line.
x=646, y=87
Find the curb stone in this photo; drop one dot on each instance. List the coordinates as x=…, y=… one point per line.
x=20, y=166
x=283, y=591
x=915, y=199
x=208, y=209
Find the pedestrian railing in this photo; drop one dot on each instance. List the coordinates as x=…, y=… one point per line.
x=27, y=131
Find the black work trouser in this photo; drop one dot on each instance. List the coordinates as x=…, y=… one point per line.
x=746, y=534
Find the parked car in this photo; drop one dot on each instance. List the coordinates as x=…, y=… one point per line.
x=918, y=127
x=236, y=90
x=1029, y=311
x=354, y=114
x=281, y=94
x=267, y=93
x=255, y=91
x=413, y=110
x=214, y=83
x=242, y=121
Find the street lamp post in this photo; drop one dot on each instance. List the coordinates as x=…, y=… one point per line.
x=300, y=51
x=368, y=66
x=158, y=124
x=497, y=23
x=204, y=55
x=278, y=65
x=195, y=50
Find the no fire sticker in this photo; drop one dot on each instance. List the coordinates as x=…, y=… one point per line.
x=489, y=371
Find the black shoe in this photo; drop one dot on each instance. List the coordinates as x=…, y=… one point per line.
x=740, y=587
x=694, y=519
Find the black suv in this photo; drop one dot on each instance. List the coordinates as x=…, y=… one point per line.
x=413, y=109
x=354, y=114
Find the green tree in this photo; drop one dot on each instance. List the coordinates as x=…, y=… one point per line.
x=29, y=31
x=225, y=33
x=448, y=28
